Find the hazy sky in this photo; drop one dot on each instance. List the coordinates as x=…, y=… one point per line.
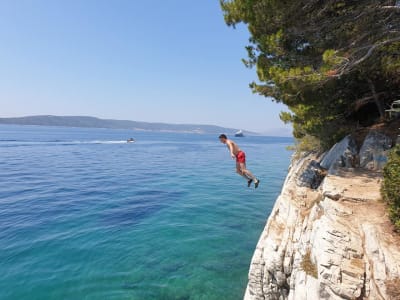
x=160, y=61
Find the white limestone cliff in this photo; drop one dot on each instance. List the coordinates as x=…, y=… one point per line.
x=328, y=235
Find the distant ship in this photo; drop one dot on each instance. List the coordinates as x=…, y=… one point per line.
x=130, y=140
x=239, y=134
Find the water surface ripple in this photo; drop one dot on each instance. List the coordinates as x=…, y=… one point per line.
x=85, y=215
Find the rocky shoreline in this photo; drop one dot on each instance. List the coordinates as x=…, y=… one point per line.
x=328, y=235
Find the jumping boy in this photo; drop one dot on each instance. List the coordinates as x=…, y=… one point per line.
x=240, y=157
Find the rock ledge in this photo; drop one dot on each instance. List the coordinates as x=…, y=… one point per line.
x=338, y=220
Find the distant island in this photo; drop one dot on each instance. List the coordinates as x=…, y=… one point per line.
x=93, y=122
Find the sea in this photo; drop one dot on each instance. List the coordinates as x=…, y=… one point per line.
x=86, y=215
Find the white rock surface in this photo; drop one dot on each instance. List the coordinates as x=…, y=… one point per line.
x=341, y=155
x=373, y=153
x=342, y=225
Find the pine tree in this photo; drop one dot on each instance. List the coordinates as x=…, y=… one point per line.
x=334, y=63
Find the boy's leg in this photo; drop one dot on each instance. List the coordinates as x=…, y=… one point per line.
x=240, y=172
x=246, y=172
x=249, y=175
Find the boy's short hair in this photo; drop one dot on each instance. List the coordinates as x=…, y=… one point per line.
x=223, y=136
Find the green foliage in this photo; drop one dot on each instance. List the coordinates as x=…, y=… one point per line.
x=391, y=185
x=325, y=60
x=308, y=143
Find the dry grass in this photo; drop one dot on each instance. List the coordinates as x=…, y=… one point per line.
x=393, y=288
x=308, y=266
x=277, y=227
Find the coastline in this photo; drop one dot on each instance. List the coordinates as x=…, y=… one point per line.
x=328, y=235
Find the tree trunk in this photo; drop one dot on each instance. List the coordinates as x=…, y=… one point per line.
x=379, y=103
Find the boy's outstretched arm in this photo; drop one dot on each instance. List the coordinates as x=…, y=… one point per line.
x=230, y=146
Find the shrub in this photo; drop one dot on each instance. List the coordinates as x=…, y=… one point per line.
x=306, y=144
x=309, y=143
x=391, y=186
x=308, y=266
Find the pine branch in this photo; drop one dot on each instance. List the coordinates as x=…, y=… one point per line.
x=372, y=49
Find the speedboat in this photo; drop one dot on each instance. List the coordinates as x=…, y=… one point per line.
x=239, y=133
x=130, y=140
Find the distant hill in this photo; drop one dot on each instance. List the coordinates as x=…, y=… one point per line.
x=92, y=122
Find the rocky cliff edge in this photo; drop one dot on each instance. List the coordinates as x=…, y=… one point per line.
x=328, y=235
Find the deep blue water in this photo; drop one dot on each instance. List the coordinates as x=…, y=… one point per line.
x=85, y=215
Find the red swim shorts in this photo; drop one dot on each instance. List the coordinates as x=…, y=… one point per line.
x=241, y=157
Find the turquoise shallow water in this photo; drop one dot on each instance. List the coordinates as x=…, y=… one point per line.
x=84, y=215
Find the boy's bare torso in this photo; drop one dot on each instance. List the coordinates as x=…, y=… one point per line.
x=232, y=146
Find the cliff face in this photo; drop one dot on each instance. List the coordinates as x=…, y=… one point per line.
x=328, y=235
